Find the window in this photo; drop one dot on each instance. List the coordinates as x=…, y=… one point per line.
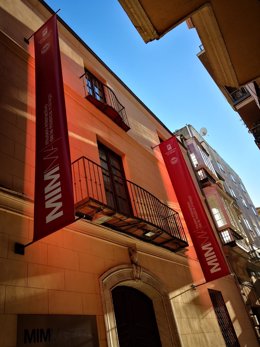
x=257, y=229
x=207, y=160
x=105, y=100
x=231, y=216
x=114, y=181
x=233, y=178
x=223, y=318
x=247, y=224
x=232, y=193
x=226, y=236
x=220, y=166
x=201, y=174
x=254, y=210
x=244, y=202
x=94, y=87
x=242, y=187
x=194, y=160
x=219, y=218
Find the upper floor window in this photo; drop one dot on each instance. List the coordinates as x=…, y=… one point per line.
x=105, y=100
x=232, y=193
x=206, y=160
x=242, y=187
x=254, y=210
x=257, y=230
x=247, y=224
x=233, y=178
x=219, y=218
x=194, y=160
x=94, y=87
x=220, y=166
x=244, y=202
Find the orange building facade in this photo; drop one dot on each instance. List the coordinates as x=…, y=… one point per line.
x=126, y=266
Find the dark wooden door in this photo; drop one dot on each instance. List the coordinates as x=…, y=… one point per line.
x=135, y=318
x=114, y=181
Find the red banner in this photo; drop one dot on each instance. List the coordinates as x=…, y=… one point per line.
x=210, y=255
x=54, y=204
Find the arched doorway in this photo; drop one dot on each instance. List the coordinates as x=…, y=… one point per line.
x=135, y=318
x=149, y=285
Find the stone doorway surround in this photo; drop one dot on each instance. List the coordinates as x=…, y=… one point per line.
x=141, y=279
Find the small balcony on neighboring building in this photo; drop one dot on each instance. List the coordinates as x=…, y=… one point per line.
x=124, y=206
x=105, y=100
x=224, y=215
x=238, y=95
x=201, y=162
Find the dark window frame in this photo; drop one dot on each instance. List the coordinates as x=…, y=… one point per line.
x=95, y=86
x=224, y=320
x=110, y=154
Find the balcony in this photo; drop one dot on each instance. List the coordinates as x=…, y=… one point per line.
x=105, y=100
x=238, y=95
x=147, y=219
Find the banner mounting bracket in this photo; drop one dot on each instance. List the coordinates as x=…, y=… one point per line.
x=19, y=248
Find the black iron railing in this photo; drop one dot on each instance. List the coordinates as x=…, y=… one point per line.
x=112, y=100
x=89, y=184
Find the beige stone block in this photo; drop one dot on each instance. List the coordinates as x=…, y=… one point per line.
x=80, y=282
x=3, y=245
x=2, y=298
x=14, y=225
x=91, y=264
x=215, y=340
x=121, y=254
x=26, y=300
x=184, y=325
x=177, y=309
x=100, y=248
x=92, y=304
x=61, y=257
x=76, y=241
x=8, y=323
x=209, y=325
x=13, y=272
x=41, y=276
x=199, y=340
x=55, y=239
x=37, y=253
x=61, y=302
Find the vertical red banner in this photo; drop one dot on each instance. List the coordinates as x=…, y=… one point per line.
x=54, y=204
x=210, y=255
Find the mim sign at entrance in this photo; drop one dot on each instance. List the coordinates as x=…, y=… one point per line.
x=56, y=331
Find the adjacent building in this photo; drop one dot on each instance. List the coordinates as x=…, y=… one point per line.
x=126, y=269
x=233, y=212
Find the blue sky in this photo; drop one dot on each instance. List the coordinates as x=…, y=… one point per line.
x=169, y=78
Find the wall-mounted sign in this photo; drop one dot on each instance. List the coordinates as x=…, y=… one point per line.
x=210, y=255
x=54, y=203
x=56, y=331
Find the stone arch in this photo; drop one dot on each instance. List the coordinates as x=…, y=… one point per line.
x=141, y=279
